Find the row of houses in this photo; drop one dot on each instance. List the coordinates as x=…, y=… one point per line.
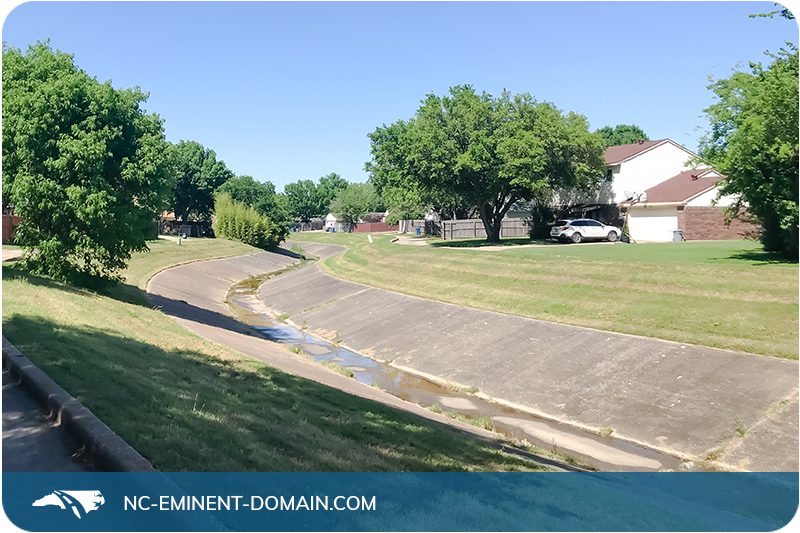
x=658, y=186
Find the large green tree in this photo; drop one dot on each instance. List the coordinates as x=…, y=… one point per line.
x=402, y=203
x=245, y=189
x=329, y=186
x=353, y=202
x=753, y=141
x=198, y=175
x=85, y=168
x=484, y=153
x=622, y=134
x=303, y=200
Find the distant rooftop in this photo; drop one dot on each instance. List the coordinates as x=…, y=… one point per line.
x=619, y=153
x=684, y=186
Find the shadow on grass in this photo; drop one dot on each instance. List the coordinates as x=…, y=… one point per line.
x=121, y=292
x=760, y=257
x=188, y=411
x=131, y=294
x=478, y=243
x=17, y=271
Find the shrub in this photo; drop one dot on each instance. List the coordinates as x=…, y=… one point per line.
x=85, y=168
x=237, y=221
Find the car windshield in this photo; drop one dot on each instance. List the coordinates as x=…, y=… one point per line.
x=561, y=222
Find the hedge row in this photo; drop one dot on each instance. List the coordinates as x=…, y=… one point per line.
x=237, y=221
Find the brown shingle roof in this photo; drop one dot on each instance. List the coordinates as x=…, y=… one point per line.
x=617, y=154
x=682, y=187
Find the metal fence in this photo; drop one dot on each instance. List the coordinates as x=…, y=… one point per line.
x=473, y=229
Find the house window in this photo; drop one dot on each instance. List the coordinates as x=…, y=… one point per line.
x=609, y=175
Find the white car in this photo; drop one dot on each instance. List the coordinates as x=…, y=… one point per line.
x=584, y=229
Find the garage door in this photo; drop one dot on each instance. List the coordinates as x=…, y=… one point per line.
x=654, y=224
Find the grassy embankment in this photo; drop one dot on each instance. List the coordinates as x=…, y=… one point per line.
x=187, y=404
x=725, y=294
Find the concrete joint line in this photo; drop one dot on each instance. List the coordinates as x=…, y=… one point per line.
x=107, y=448
x=329, y=302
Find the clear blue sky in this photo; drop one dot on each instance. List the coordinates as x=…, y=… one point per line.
x=290, y=91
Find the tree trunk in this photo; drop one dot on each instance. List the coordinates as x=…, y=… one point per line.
x=492, y=231
x=490, y=223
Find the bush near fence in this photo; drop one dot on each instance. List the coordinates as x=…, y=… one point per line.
x=473, y=229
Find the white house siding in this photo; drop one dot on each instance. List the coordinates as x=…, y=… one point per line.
x=707, y=199
x=330, y=221
x=653, y=223
x=649, y=168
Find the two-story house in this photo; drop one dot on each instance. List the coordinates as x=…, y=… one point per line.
x=662, y=189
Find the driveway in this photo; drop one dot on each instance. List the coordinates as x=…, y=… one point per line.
x=690, y=401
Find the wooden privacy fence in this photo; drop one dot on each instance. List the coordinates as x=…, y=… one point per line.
x=10, y=223
x=473, y=229
x=425, y=227
x=374, y=227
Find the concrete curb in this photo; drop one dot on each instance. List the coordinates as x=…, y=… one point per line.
x=108, y=449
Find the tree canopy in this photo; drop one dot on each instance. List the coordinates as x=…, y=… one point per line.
x=753, y=141
x=353, y=202
x=198, y=175
x=245, y=189
x=622, y=134
x=329, y=186
x=484, y=153
x=302, y=199
x=306, y=199
x=85, y=168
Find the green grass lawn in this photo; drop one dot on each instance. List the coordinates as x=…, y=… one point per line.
x=726, y=294
x=187, y=404
x=165, y=253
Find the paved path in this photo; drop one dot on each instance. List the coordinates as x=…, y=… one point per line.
x=194, y=295
x=690, y=401
x=31, y=442
x=10, y=255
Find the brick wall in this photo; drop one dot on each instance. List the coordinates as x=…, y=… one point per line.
x=707, y=223
x=10, y=223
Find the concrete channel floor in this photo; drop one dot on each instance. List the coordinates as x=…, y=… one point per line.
x=31, y=442
x=194, y=295
x=691, y=401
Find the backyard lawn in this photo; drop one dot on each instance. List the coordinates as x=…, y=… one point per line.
x=725, y=294
x=187, y=404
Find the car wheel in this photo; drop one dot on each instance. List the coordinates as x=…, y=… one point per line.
x=612, y=236
x=576, y=238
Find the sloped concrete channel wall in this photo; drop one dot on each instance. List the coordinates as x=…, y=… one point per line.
x=690, y=401
x=194, y=294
